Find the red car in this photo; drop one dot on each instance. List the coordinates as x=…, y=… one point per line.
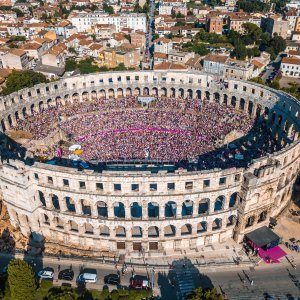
x=139, y=282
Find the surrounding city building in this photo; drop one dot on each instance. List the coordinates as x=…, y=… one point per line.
x=290, y=66
x=215, y=64
x=85, y=21
x=275, y=24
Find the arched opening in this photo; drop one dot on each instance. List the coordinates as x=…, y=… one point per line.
x=119, y=210
x=46, y=219
x=173, y=92
x=120, y=231
x=242, y=104
x=59, y=222
x=262, y=216
x=102, y=94
x=170, y=209
x=137, y=91
x=169, y=230
x=207, y=95
x=181, y=92
x=94, y=95
x=203, y=206
x=202, y=227
x=250, y=221
x=217, y=224
x=231, y=220
x=24, y=112
x=146, y=91
x=32, y=109
x=75, y=97
x=104, y=230
x=153, y=232
x=155, y=92
x=17, y=116
x=73, y=226
x=3, y=126
x=136, y=210
x=258, y=110
x=233, y=101
x=232, y=200
x=219, y=203
x=164, y=92
x=190, y=93
x=186, y=229
x=9, y=120
x=187, y=208
x=225, y=99
x=70, y=204
x=55, y=202
x=58, y=101
x=250, y=107
x=111, y=93
x=198, y=93
x=120, y=93
x=217, y=97
x=128, y=92
x=137, y=232
x=102, y=209
x=153, y=210
x=89, y=229
x=42, y=198
x=86, y=207
x=266, y=113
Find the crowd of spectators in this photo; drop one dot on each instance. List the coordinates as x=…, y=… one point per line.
x=167, y=129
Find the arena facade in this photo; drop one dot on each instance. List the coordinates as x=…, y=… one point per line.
x=224, y=203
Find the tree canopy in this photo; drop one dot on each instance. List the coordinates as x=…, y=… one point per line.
x=108, y=9
x=18, y=80
x=21, y=279
x=205, y=294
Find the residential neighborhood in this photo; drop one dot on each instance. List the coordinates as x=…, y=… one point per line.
x=233, y=39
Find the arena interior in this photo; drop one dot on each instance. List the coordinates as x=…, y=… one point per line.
x=160, y=162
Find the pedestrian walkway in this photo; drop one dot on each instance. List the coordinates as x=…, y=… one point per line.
x=185, y=284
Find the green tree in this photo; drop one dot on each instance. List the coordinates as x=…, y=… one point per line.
x=258, y=80
x=239, y=51
x=108, y=9
x=71, y=65
x=18, y=12
x=18, y=80
x=278, y=44
x=62, y=293
x=252, y=31
x=86, y=66
x=22, y=281
x=207, y=294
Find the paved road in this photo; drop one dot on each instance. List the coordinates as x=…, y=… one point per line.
x=149, y=42
x=279, y=280
x=274, y=66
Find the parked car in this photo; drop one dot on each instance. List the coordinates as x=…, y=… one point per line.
x=87, y=275
x=139, y=282
x=47, y=273
x=66, y=274
x=112, y=279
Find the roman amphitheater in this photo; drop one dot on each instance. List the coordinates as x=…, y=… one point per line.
x=162, y=207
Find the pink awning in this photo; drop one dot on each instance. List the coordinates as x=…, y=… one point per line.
x=271, y=255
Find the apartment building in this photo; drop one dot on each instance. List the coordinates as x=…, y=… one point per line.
x=290, y=66
x=275, y=24
x=236, y=21
x=15, y=59
x=85, y=21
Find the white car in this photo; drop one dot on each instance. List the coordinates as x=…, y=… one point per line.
x=46, y=274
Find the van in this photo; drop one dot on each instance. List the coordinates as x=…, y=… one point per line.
x=87, y=277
